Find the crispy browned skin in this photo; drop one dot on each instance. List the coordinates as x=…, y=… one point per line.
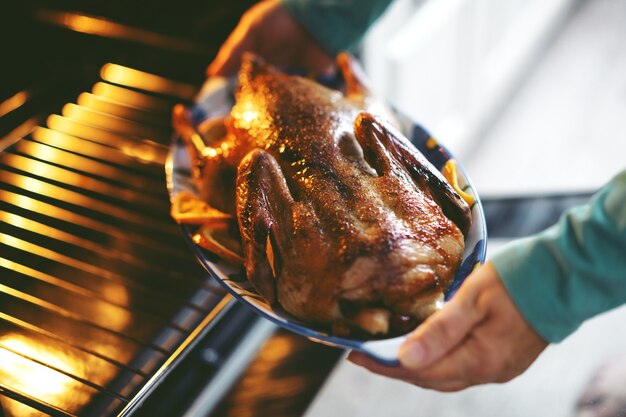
x=341, y=219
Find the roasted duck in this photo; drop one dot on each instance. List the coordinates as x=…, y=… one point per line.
x=342, y=221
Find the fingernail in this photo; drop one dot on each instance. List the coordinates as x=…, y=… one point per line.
x=412, y=354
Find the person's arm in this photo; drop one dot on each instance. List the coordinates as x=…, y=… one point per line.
x=537, y=290
x=297, y=34
x=577, y=268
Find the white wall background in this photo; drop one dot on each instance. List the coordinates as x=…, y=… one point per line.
x=563, y=130
x=452, y=63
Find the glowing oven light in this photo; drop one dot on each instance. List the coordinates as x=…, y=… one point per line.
x=38, y=380
x=34, y=377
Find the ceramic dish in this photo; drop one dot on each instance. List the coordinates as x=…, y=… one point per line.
x=215, y=100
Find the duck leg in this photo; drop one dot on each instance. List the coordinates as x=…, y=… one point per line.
x=380, y=141
x=264, y=210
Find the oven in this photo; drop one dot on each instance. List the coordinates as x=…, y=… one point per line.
x=103, y=309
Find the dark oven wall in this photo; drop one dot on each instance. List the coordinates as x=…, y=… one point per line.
x=37, y=42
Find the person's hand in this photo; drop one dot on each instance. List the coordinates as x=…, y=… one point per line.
x=268, y=30
x=478, y=337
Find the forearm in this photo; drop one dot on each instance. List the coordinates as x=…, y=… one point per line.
x=336, y=24
x=574, y=270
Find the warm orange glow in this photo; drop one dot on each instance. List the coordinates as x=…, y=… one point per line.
x=115, y=108
x=244, y=113
x=15, y=220
x=18, y=409
x=43, y=134
x=249, y=115
x=87, y=24
x=22, y=201
x=140, y=150
x=13, y=103
x=47, y=153
x=72, y=111
x=82, y=114
x=82, y=130
x=276, y=349
x=210, y=152
x=94, y=25
x=18, y=343
x=56, y=122
x=30, y=184
x=128, y=97
x=85, y=100
x=117, y=318
x=38, y=380
x=118, y=74
x=18, y=133
x=106, y=121
x=37, y=168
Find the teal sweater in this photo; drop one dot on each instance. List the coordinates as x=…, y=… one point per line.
x=573, y=270
x=559, y=278
x=336, y=24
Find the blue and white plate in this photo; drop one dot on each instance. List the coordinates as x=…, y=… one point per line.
x=215, y=100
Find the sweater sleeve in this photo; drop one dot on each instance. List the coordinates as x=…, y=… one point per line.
x=573, y=270
x=336, y=24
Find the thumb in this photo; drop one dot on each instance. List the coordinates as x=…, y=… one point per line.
x=441, y=332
